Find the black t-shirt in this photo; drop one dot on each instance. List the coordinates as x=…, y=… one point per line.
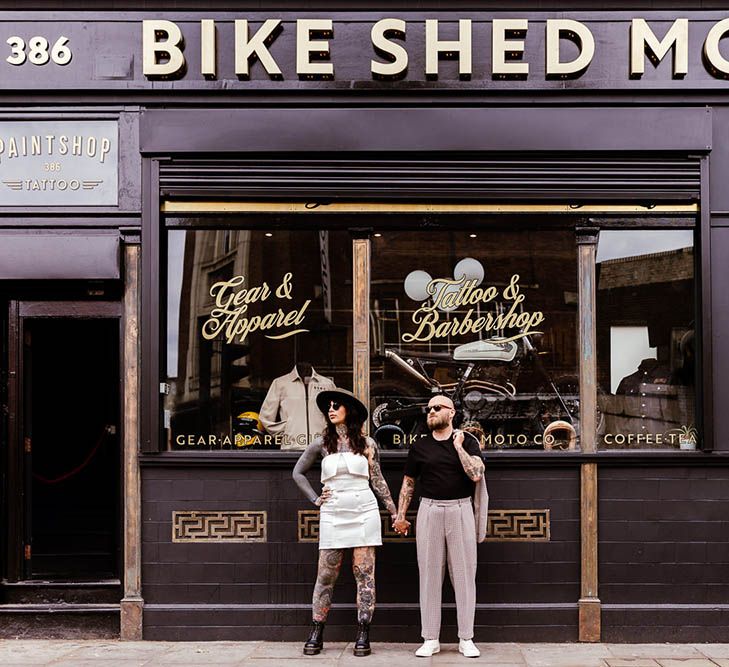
x=436, y=464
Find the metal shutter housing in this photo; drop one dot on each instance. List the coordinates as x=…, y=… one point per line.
x=457, y=177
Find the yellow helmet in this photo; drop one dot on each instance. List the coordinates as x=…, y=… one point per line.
x=252, y=415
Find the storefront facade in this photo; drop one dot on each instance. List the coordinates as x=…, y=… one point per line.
x=205, y=220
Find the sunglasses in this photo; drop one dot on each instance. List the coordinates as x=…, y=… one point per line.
x=335, y=405
x=438, y=408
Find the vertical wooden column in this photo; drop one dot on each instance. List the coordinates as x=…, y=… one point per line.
x=361, y=316
x=589, y=603
x=132, y=602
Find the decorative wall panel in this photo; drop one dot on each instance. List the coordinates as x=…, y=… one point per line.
x=518, y=525
x=223, y=526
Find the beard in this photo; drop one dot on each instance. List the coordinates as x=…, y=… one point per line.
x=437, y=421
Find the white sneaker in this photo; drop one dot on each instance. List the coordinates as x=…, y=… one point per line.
x=468, y=648
x=429, y=647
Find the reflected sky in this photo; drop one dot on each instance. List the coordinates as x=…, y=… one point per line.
x=615, y=244
x=175, y=255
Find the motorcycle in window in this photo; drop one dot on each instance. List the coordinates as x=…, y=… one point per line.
x=481, y=378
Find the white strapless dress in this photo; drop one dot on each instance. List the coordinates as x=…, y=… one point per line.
x=350, y=518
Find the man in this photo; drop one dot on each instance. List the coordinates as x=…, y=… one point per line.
x=447, y=463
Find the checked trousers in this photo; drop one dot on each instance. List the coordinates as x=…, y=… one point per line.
x=446, y=533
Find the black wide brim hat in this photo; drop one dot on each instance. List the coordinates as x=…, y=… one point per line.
x=343, y=396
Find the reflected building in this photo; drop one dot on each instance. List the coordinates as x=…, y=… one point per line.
x=652, y=295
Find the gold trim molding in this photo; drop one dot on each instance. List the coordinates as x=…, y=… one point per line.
x=184, y=206
x=223, y=526
x=507, y=525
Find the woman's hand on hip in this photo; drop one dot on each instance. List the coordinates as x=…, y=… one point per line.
x=326, y=494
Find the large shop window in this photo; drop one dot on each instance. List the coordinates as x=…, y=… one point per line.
x=488, y=318
x=646, y=340
x=258, y=323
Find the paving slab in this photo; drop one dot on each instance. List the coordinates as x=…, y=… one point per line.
x=303, y=661
x=654, y=651
x=713, y=650
x=73, y=662
x=206, y=663
x=565, y=655
x=291, y=650
x=491, y=654
x=34, y=652
x=475, y=661
x=631, y=662
x=566, y=661
x=384, y=655
x=722, y=662
x=691, y=662
x=118, y=650
x=218, y=653
x=458, y=659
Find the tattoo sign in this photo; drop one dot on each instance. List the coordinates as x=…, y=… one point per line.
x=59, y=163
x=464, y=293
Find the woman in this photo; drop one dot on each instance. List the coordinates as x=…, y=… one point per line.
x=349, y=517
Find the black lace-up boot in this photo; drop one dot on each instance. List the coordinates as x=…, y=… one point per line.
x=362, y=642
x=315, y=643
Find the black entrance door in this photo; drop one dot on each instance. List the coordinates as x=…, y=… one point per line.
x=65, y=480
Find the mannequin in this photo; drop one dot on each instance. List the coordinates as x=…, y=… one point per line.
x=289, y=411
x=304, y=369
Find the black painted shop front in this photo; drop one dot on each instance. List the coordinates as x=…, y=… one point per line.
x=352, y=185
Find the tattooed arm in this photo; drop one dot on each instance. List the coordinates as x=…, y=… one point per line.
x=377, y=481
x=472, y=464
x=307, y=459
x=401, y=524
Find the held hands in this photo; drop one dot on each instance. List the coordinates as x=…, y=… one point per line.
x=326, y=494
x=400, y=526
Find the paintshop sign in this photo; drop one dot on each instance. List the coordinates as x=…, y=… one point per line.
x=59, y=163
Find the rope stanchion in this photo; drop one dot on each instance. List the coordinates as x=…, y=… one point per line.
x=80, y=467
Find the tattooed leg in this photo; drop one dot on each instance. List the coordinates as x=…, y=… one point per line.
x=330, y=562
x=363, y=566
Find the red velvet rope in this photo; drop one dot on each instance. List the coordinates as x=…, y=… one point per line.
x=78, y=468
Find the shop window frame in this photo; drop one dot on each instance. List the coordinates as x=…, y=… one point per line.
x=699, y=225
x=592, y=218
x=196, y=222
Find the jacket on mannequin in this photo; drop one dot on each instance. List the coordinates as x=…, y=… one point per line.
x=289, y=411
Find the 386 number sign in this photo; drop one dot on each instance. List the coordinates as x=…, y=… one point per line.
x=38, y=51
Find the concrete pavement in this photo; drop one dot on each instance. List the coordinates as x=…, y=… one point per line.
x=105, y=653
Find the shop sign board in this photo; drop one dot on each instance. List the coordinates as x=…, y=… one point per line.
x=176, y=52
x=59, y=163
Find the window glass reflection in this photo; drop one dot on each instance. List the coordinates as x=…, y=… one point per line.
x=258, y=324
x=488, y=318
x=646, y=339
